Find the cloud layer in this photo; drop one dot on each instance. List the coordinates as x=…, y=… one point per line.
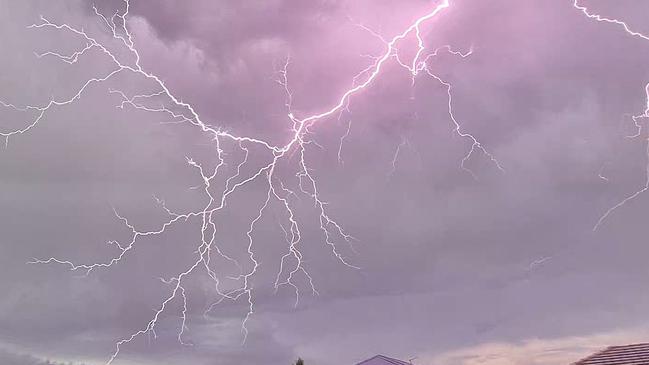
x=454, y=270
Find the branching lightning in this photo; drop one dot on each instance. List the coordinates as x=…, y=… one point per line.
x=279, y=189
x=636, y=118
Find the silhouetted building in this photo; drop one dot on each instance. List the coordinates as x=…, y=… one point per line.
x=637, y=354
x=383, y=360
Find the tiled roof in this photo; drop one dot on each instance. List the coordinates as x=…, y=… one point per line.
x=637, y=354
x=382, y=360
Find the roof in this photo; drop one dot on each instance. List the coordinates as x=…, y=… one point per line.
x=636, y=354
x=382, y=360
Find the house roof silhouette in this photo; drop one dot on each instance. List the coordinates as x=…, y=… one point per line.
x=382, y=360
x=636, y=354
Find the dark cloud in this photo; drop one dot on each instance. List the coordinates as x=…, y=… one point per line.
x=451, y=266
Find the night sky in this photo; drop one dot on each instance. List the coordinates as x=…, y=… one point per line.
x=457, y=252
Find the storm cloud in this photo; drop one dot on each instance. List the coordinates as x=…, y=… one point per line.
x=503, y=266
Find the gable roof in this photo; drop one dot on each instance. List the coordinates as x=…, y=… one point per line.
x=382, y=360
x=636, y=354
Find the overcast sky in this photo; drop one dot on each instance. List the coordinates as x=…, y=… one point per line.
x=455, y=267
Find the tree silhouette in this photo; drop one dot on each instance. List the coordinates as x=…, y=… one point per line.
x=299, y=361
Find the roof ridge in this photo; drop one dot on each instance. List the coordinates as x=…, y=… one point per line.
x=578, y=362
x=614, y=354
x=386, y=358
x=392, y=360
x=631, y=345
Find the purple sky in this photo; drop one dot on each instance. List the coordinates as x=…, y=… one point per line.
x=502, y=267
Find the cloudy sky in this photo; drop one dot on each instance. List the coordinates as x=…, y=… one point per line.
x=449, y=264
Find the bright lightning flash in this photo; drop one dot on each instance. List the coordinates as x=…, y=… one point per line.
x=279, y=189
x=636, y=118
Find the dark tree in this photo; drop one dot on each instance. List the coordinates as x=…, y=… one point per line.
x=299, y=362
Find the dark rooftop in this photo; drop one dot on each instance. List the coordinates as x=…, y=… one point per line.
x=382, y=360
x=636, y=354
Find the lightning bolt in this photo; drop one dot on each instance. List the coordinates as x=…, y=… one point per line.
x=636, y=118
x=601, y=175
x=278, y=189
